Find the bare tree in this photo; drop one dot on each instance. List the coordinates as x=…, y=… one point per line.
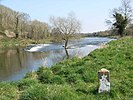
x=126, y=10
x=24, y=24
x=17, y=17
x=39, y=30
x=66, y=27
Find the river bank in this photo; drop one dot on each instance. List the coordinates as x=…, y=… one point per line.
x=15, y=62
x=13, y=42
x=76, y=79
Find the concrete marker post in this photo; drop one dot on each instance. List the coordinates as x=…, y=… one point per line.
x=104, y=80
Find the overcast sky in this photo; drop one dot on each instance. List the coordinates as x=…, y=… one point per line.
x=91, y=13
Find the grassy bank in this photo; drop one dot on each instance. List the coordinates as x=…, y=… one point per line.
x=76, y=79
x=11, y=42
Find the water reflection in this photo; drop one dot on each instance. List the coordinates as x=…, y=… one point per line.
x=15, y=62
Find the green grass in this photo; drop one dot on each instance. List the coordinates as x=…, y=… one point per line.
x=77, y=79
x=12, y=42
x=8, y=91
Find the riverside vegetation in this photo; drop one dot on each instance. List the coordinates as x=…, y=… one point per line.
x=76, y=79
x=12, y=42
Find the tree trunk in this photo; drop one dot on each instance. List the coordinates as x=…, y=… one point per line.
x=65, y=47
x=66, y=42
x=67, y=54
x=17, y=27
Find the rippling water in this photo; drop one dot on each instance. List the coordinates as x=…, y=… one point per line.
x=16, y=62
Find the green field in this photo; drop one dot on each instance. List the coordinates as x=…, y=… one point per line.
x=77, y=79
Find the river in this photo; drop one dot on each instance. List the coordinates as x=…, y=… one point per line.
x=16, y=62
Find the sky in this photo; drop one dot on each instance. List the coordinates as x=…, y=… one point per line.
x=91, y=13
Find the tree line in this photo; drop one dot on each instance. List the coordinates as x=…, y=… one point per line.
x=61, y=29
x=21, y=25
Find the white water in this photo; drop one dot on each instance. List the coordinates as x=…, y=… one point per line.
x=37, y=47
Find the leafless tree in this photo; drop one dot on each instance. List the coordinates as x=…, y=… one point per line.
x=24, y=25
x=66, y=27
x=126, y=10
x=39, y=30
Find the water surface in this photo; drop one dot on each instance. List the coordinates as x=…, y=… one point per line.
x=16, y=62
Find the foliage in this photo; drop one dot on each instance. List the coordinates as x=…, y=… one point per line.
x=120, y=24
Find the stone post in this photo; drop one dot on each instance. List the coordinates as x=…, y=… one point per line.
x=104, y=80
